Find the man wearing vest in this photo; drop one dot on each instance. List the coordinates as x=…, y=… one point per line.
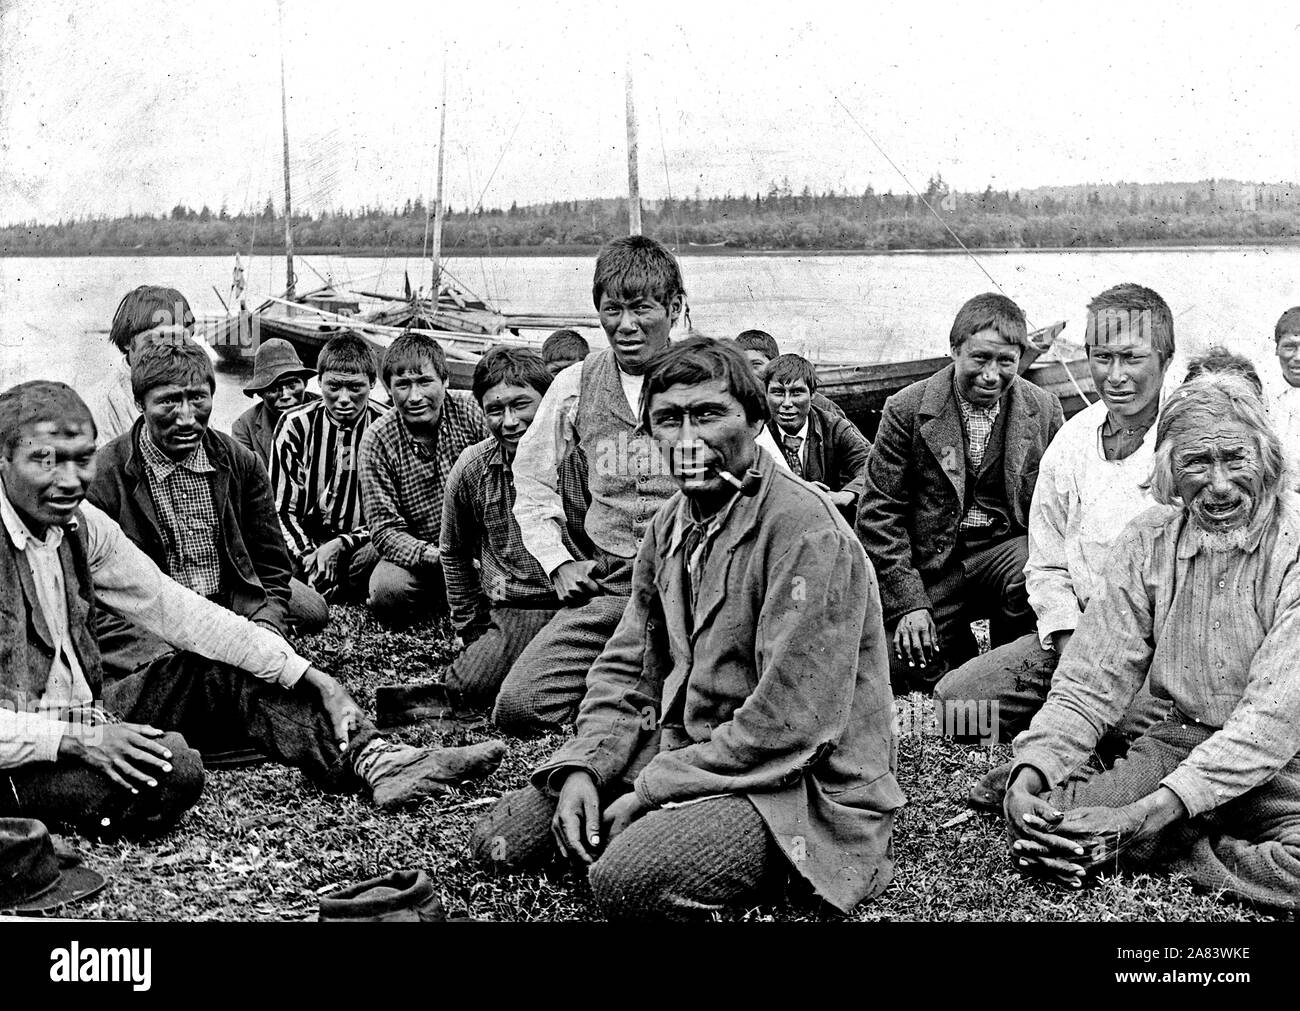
x=637, y=289
x=66, y=760
x=948, y=487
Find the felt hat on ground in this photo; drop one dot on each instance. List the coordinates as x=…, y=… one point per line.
x=400, y=897
x=275, y=359
x=33, y=878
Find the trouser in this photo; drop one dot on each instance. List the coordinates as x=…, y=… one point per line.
x=1247, y=849
x=548, y=680
x=206, y=706
x=478, y=672
x=351, y=576
x=1017, y=677
x=308, y=611
x=400, y=597
x=981, y=581
x=673, y=863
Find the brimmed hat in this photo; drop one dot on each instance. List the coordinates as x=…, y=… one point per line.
x=400, y=897
x=275, y=359
x=32, y=877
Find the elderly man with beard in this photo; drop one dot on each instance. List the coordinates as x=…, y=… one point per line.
x=1204, y=601
x=738, y=724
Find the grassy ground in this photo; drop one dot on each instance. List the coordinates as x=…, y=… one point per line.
x=264, y=845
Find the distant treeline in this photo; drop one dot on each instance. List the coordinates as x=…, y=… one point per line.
x=1213, y=211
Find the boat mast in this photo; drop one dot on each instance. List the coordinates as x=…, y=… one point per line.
x=633, y=187
x=288, y=204
x=437, y=197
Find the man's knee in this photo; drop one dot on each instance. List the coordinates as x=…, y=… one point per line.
x=393, y=593
x=520, y=710
x=516, y=832
x=308, y=611
x=629, y=884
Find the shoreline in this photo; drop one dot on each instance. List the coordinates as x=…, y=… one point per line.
x=509, y=252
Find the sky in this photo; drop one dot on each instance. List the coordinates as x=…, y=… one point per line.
x=136, y=106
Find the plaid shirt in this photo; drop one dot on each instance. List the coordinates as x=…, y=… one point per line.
x=978, y=422
x=187, y=514
x=402, y=483
x=314, y=478
x=479, y=529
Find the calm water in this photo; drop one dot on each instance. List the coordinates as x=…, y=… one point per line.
x=848, y=308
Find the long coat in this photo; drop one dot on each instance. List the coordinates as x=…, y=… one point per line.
x=915, y=490
x=778, y=690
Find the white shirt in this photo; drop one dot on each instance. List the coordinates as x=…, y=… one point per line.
x=1284, y=413
x=128, y=583
x=1081, y=503
x=803, y=446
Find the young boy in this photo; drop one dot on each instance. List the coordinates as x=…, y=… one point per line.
x=1284, y=392
x=499, y=595
x=314, y=475
x=760, y=349
x=280, y=381
x=562, y=349
x=143, y=313
x=405, y=459
x=824, y=450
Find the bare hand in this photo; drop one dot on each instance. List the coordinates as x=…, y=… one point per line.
x=842, y=499
x=573, y=583
x=916, y=639
x=124, y=752
x=620, y=814
x=1106, y=832
x=344, y=714
x=1036, y=845
x=1061, y=639
x=322, y=564
x=576, y=823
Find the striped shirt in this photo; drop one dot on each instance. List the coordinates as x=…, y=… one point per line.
x=1217, y=633
x=479, y=529
x=187, y=514
x=314, y=478
x=978, y=422
x=402, y=483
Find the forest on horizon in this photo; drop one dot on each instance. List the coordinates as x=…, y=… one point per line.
x=1119, y=214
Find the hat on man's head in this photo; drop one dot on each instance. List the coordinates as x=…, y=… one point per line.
x=400, y=897
x=32, y=877
x=275, y=359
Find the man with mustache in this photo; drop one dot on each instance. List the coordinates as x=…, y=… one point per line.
x=738, y=725
x=947, y=493
x=406, y=457
x=1092, y=481
x=1203, y=602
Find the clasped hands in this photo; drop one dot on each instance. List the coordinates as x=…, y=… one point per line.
x=579, y=827
x=1065, y=847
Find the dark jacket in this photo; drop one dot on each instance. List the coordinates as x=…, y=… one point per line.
x=254, y=561
x=914, y=496
x=254, y=430
x=775, y=687
x=837, y=452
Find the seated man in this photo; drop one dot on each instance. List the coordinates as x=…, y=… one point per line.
x=314, y=474
x=143, y=313
x=761, y=350
x=499, y=595
x=948, y=487
x=562, y=349
x=823, y=449
x=405, y=459
x=738, y=726
x=1091, y=481
x=280, y=381
x=1202, y=600
x=68, y=762
x=196, y=503
x=1283, y=395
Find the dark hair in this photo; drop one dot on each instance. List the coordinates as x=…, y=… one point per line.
x=347, y=352
x=758, y=340
x=563, y=345
x=411, y=350
x=1221, y=361
x=512, y=366
x=179, y=362
x=697, y=360
x=792, y=369
x=1133, y=298
x=634, y=264
x=39, y=400
x=990, y=311
x=1288, y=324
x=144, y=308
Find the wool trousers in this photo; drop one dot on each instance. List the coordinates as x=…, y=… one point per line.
x=400, y=597
x=1247, y=850
x=308, y=611
x=679, y=863
x=478, y=672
